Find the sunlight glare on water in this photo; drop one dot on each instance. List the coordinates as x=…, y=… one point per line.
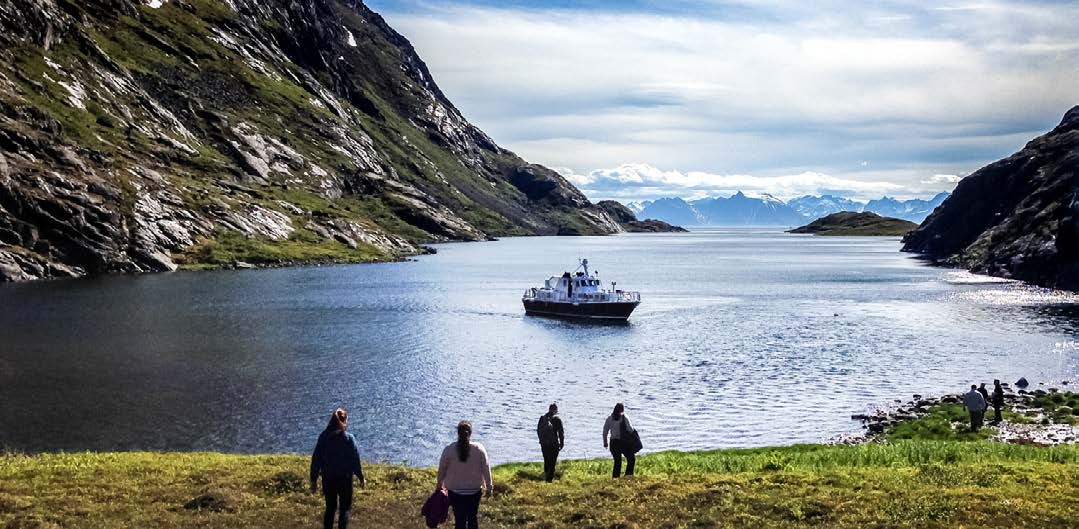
x=746, y=337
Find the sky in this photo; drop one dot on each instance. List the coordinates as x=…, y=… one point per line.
x=641, y=99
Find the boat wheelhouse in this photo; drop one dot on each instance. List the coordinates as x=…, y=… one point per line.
x=580, y=295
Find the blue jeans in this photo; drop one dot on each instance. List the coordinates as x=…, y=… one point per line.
x=466, y=510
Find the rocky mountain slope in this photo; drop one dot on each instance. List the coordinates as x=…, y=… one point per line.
x=1015, y=218
x=136, y=135
x=629, y=222
x=852, y=223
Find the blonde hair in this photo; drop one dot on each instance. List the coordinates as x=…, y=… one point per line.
x=338, y=420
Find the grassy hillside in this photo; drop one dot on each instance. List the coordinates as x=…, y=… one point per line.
x=201, y=133
x=906, y=484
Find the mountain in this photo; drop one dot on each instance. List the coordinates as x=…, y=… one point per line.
x=1017, y=217
x=851, y=223
x=915, y=210
x=766, y=210
x=814, y=207
x=136, y=135
x=637, y=207
x=743, y=210
x=673, y=210
x=628, y=220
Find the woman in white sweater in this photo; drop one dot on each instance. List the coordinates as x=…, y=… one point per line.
x=617, y=425
x=465, y=473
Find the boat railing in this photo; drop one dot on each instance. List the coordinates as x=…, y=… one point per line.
x=618, y=296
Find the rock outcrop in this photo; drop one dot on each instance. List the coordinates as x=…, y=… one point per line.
x=1016, y=218
x=137, y=135
x=628, y=220
x=852, y=223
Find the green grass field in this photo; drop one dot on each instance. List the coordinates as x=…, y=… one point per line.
x=904, y=484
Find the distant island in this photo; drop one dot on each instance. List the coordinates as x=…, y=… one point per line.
x=857, y=223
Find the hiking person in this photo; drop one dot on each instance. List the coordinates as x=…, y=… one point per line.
x=976, y=405
x=337, y=459
x=622, y=439
x=984, y=393
x=997, y=400
x=551, y=438
x=464, y=471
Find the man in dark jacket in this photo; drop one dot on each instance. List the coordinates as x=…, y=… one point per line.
x=997, y=400
x=552, y=438
x=337, y=458
x=984, y=392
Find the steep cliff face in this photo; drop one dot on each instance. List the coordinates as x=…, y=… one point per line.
x=1015, y=218
x=136, y=135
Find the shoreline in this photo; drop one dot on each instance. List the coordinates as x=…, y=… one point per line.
x=1025, y=413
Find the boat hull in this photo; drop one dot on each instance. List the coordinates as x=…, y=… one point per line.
x=617, y=311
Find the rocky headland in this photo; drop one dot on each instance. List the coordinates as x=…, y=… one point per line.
x=139, y=136
x=850, y=223
x=1017, y=218
x=628, y=220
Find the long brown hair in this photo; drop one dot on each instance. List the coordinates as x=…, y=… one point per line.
x=619, y=409
x=338, y=421
x=464, y=434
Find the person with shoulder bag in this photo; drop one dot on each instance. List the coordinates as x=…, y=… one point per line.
x=624, y=440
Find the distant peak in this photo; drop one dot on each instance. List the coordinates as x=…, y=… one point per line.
x=1071, y=119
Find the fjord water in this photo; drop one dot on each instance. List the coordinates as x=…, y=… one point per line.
x=746, y=337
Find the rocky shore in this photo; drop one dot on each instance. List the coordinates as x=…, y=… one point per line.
x=1041, y=416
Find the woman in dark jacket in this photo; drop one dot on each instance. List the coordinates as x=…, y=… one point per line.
x=337, y=458
x=617, y=425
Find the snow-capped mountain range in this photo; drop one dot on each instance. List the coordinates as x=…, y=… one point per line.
x=745, y=209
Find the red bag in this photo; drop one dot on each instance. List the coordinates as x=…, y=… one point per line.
x=436, y=509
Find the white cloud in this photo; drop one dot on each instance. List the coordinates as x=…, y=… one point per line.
x=877, y=92
x=643, y=181
x=938, y=179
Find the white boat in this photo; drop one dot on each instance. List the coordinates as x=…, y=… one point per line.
x=580, y=295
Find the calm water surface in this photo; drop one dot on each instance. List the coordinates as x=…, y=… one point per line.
x=745, y=338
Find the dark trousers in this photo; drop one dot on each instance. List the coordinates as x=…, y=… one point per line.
x=976, y=418
x=550, y=459
x=617, y=452
x=466, y=510
x=338, y=493
x=996, y=413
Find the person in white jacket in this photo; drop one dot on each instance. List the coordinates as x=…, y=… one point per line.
x=976, y=405
x=465, y=472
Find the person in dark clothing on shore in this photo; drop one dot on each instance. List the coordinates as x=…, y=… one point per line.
x=618, y=427
x=337, y=459
x=997, y=400
x=984, y=392
x=551, y=438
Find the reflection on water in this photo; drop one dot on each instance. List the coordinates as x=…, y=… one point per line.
x=745, y=338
